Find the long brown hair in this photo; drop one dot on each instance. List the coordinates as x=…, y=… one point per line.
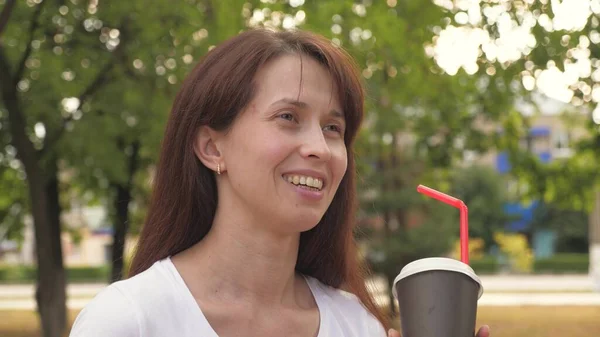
x=184, y=199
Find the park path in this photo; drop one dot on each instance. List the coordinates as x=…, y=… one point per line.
x=499, y=290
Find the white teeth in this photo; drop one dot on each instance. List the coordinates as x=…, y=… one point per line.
x=315, y=183
x=304, y=180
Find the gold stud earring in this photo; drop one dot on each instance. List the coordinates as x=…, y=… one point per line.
x=218, y=169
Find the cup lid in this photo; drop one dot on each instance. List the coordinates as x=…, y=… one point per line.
x=436, y=263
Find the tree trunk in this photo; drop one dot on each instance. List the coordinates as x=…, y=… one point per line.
x=121, y=205
x=121, y=210
x=594, y=223
x=42, y=184
x=51, y=281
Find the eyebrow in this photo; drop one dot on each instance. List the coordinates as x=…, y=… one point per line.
x=304, y=105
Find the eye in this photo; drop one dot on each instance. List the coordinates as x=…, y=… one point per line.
x=334, y=128
x=287, y=116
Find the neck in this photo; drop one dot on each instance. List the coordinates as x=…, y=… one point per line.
x=238, y=261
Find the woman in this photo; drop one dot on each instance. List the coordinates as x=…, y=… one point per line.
x=249, y=232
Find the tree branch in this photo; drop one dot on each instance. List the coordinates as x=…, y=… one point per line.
x=33, y=26
x=9, y=5
x=133, y=163
x=102, y=77
x=25, y=150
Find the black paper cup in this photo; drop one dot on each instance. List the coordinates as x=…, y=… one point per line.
x=437, y=298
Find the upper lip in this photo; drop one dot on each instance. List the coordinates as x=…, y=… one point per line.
x=307, y=173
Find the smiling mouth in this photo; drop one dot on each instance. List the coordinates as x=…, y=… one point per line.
x=311, y=183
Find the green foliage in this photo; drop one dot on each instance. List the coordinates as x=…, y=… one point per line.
x=118, y=137
x=124, y=61
x=516, y=248
x=101, y=78
x=16, y=274
x=485, y=265
x=120, y=73
x=20, y=274
x=391, y=250
x=563, y=264
x=407, y=91
x=83, y=274
x=570, y=226
x=13, y=202
x=569, y=183
x=484, y=192
x=476, y=249
x=557, y=264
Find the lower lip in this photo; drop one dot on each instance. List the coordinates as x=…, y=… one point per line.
x=308, y=194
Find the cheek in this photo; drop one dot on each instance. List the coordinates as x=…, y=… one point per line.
x=340, y=161
x=275, y=151
x=268, y=150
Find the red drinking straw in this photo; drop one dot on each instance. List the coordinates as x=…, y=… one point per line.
x=464, y=217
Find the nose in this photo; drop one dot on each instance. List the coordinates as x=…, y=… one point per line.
x=315, y=145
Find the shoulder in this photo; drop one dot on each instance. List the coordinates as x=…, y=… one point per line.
x=348, y=309
x=120, y=308
x=110, y=313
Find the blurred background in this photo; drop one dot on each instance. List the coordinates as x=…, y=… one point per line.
x=492, y=101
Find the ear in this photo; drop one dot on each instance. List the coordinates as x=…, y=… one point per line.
x=207, y=150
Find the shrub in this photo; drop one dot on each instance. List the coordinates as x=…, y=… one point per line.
x=485, y=265
x=26, y=274
x=516, y=248
x=563, y=263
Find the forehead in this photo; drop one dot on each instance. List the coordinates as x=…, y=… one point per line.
x=296, y=77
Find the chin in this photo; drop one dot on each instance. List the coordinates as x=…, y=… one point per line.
x=304, y=222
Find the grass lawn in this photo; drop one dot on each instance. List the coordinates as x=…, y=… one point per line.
x=541, y=321
x=504, y=322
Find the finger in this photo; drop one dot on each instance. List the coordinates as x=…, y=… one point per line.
x=393, y=333
x=484, y=331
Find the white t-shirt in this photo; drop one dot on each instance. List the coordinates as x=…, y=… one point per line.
x=157, y=303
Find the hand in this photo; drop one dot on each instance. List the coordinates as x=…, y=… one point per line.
x=483, y=332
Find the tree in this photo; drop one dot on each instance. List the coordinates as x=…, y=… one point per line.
x=484, y=191
x=419, y=121
x=80, y=85
x=560, y=57
x=570, y=226
x=51, y=80
x=13, y=201
x=559, y=48
x=152, y=64
x=31, y=97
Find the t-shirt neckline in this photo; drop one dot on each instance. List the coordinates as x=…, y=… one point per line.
x=205, y=324
x=189, y=298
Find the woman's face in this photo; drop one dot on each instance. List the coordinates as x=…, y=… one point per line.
x=285, y=154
